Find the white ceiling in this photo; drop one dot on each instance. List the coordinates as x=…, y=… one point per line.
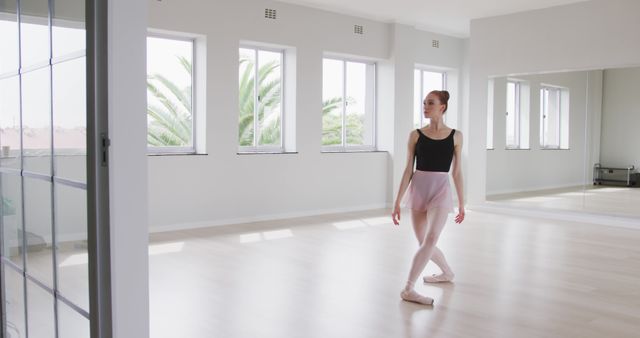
x=450, y=17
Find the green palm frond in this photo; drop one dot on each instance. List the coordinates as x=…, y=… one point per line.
x=169, y=110
x=182, y=96
x=330, y=105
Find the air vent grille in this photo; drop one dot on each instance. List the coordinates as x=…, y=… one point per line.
x=358, y=29
x=435, y=43
x=270, y=13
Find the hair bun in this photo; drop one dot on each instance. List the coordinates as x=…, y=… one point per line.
x=445, y=94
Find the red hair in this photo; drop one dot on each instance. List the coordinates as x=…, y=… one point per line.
x=443, y=97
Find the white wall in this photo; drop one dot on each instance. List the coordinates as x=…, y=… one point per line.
x=588, y=35
x=621, y=117
x=536, y=168
x=223, y=187
x=128, y=168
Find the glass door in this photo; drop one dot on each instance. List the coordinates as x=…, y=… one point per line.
x=45, y=247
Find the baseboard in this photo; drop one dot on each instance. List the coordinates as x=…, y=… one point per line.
x=562, y=215
x=262, y=218
x=540, y=189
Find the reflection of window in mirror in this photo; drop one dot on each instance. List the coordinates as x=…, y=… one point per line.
x=424, y=81
x=490, y=115
x=517, y=115
x=554, y=117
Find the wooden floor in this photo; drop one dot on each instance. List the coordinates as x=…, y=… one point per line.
x=340, y=276
x=622, y=201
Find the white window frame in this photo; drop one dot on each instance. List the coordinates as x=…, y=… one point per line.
x=423, y=69
x=345, y=148
x=562, y=92
x=517, y=120
x=255, y=148
x=490, y=113
x=194, y=116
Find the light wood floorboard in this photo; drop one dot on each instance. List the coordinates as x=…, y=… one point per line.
x=622, y=201
x=515, y=277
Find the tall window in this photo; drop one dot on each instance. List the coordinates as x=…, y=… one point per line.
x=517, y=116
x=554, y=118
x=348, y=111
x=423, y=83
x=170, y=118
x=260, y=100
x=490, y=93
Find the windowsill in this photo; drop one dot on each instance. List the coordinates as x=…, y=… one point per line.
x=177, y=154
x=517, y=148
x=555, y=148
x=267, y=153
x=349, y=151
x=491, y=149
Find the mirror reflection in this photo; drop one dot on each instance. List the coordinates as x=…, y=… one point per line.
x=565, y=141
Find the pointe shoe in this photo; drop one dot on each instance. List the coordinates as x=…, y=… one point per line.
x=414, y=297
x=441, y=278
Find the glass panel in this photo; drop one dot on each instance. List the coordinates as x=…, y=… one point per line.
x=34, y=32
x=36, y=121
x=417, y=100
x=511, y=115
x=10, y=122
x=490, y=114
x=11, y=217
x=356, y=101
x=552, y=118
x=170, y=120
x=553, y=114
x=14, y=302
x=431, y=81
x=40, y=312
x=332, y=96
x=564, y=118
x=69, y=119
x=8, y=37
x=71, y=246
x=246, y=96
x=37, y=220
x=68, y=31
x=71, y=324
x=269, y=98
x=543, y=115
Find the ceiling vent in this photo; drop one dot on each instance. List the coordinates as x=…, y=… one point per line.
x=435, y=43
x=357, y=29
x=270, y=13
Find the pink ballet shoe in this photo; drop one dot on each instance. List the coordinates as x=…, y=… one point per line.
x=414, y=297
x=441, y=278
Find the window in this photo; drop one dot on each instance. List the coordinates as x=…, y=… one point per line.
x=490, y=99
x=423, y=83
x=348, y=105
x=517, y=116
x=554, y=118
x=260, y=100
x=170, y=114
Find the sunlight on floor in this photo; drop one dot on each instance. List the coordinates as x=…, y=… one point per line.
x=154, y=249
x=350, y=225
x=267, y=236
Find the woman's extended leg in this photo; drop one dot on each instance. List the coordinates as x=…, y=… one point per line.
x=434, y=229
x=419, y=220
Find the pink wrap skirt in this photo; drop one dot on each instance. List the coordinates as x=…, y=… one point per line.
x=429, y=190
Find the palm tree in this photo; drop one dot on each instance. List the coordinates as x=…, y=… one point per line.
x=169, y=110
x=269, y=90
x=170, y=115
x=332, y=123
